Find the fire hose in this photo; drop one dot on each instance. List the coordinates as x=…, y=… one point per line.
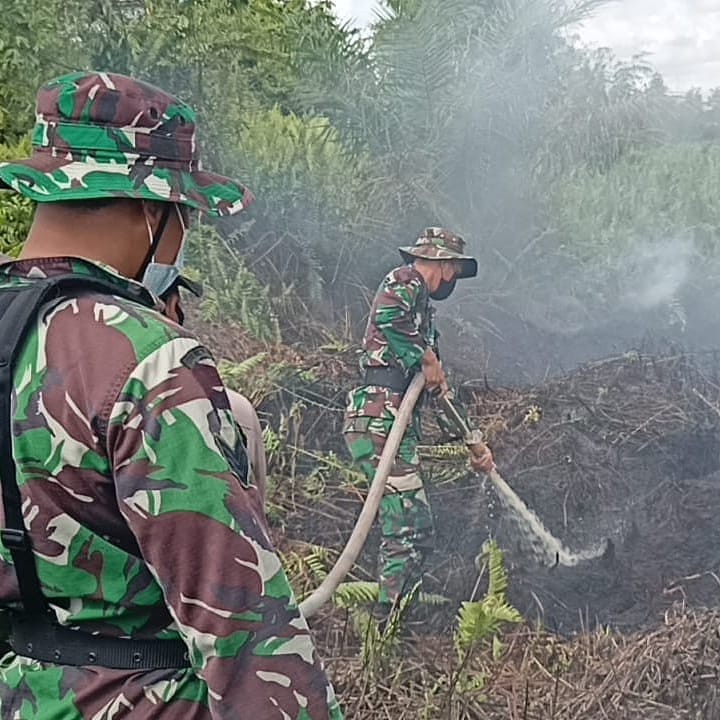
x=354, y=545
x=547, y=546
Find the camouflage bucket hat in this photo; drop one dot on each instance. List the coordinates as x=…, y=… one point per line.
x=102, y=135
x=440, y=244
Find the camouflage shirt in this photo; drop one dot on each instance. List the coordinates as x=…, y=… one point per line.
x=400, y=326
x=126, y=454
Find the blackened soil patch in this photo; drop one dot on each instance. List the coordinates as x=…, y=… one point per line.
x=626, y=449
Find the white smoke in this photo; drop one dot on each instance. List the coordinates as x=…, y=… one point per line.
x=654, y=274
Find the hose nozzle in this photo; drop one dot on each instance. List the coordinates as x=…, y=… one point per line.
x=475, y=441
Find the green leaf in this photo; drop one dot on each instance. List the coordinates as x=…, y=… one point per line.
x=482, y=620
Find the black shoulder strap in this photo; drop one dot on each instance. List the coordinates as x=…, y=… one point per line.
x=19, y=307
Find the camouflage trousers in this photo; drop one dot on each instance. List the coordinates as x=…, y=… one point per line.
x=405, y=514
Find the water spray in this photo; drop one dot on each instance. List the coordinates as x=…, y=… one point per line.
x=545, y=546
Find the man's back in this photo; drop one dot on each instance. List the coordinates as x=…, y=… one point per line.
x=148, y=583
x=399, y=326
x=132, y=476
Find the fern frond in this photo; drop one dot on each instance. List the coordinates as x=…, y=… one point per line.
x=249, y=376
x=355, y=593
x=474, y=624
x=238, y=372
x=233, y=291
x=507, y=613
x=482, y=620
x=316, y=561
x=443, y=452
x=432, y=599
x=498, y=582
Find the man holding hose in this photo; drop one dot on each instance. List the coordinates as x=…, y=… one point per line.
x=400, y=340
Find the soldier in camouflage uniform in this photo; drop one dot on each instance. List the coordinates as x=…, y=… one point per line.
x=401, y=340
x=131, y=470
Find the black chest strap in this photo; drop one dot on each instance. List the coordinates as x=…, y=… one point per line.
x=19, y=307
x=34, y=632
x=43, y=639
x=394, y=378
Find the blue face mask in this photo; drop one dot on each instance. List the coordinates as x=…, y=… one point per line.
x=159, y=277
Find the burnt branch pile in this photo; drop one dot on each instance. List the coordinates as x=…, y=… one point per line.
x=626, y=449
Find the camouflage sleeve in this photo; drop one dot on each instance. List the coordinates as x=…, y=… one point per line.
x=177, y=457
x=396, y=316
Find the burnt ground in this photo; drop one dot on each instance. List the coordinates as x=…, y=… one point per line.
x=666, y=673
x=626, y=449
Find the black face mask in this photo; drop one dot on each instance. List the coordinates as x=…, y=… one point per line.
x=444, y=289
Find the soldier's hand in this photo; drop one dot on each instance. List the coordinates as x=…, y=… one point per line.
x=433, y=372
x=482, y=461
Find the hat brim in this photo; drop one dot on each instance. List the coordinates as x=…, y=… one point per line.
x=46, y=178
x=468, y=265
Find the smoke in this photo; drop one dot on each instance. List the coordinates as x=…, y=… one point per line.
x=655, y=293
x=654, y=274
x=648, y=279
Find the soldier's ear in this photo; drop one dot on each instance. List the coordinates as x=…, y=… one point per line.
x=153, y=210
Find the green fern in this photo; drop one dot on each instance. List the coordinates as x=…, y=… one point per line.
x=271, y=442
x=379, y=645
x=16, y=211
x=15, y=219
x=331, y=465
x=305, y=570
x=498, y=581
x=482, y=620
x=257, y=377
x=233, y=293
x=355, y=593
x=248, y=377
x=316, y=561
x=372, y=648
x=239, y=372
x=432, y=599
